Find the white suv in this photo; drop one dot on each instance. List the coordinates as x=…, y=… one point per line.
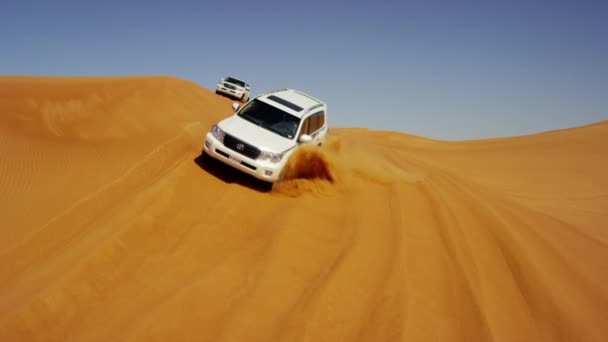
x=258, y=138
x=234, y=87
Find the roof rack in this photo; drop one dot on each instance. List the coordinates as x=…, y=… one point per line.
x=310, y=109
x=309, y=96
x=274, y=91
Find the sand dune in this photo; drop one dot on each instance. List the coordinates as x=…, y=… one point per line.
x=115, y=230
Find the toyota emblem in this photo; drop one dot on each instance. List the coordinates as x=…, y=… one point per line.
x=240, y=147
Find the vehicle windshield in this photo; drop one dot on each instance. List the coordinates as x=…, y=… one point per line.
x=271, y=118
x=235, y=81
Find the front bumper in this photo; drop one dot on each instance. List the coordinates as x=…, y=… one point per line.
x=232, y=92
x=263, y=170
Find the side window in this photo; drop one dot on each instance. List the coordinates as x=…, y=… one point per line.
x=321, y=119
x=314, y=124
x=304, y=129
x=317, y=121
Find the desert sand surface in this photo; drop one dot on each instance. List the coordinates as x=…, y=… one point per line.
x=114, y=229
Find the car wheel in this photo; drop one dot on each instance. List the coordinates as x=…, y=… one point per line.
x=244, y=98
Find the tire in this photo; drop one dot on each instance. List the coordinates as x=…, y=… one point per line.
x=244, y=99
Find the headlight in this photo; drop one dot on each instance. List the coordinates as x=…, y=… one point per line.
x=270, y=156
x=218, y=133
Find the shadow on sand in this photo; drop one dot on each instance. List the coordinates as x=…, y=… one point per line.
x=229, y=174
x=230, y=97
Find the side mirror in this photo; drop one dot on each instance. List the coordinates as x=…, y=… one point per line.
x=305, y=138
x=235, y=107
x=247, y=88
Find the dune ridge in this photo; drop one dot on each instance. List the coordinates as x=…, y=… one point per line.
x=113, y=231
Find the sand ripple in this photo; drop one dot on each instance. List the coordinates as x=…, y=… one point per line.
x=112, y=230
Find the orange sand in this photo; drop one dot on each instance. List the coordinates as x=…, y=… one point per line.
x=115, y=230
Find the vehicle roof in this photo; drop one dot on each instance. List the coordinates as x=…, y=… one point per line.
x=289, y=100
x=234, y=78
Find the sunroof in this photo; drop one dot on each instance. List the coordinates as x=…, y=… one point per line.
x=285, y=103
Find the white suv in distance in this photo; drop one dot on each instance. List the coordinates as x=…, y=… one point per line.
x=234, y=87
x=259, y=137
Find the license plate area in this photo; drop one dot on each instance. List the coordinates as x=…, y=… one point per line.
x=234, y=159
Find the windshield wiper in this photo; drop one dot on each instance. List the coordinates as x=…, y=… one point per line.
x=264, y=125
x=250, y=119
x=270, y=128
x=267, y=126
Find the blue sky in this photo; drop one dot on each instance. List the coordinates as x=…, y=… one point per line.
x=441, y=69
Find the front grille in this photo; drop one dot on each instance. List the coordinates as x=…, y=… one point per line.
x=229, y=86
x=245, y=149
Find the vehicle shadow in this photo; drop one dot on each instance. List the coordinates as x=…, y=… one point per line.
x=230, y=97
x=229, y=174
